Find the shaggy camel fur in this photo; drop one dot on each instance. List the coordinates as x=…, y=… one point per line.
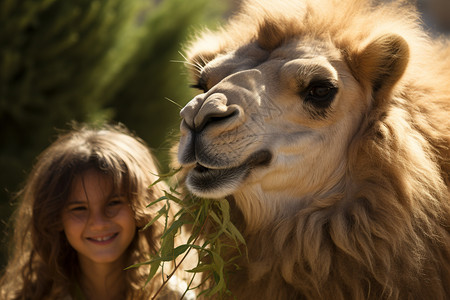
x=326, y=124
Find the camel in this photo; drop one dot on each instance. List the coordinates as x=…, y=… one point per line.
x=326, y=125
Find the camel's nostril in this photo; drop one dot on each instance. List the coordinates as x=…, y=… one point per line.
x=216, y=119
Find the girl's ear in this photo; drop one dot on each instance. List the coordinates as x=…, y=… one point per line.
x=381, y=63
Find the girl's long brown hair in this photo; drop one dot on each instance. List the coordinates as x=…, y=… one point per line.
x=43, y=265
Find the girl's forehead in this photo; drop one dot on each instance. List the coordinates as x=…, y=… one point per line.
x=91, y=185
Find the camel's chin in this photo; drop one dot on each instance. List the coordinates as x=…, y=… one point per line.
x=215, y=183
x=219, y=183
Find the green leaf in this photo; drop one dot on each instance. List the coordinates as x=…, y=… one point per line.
x=157, y=200
x=173, y=191
x=173, y=228
x=161, y=212
x=219, y=276
x=154, y=266
x=200, y=268
x=173, y=198
x=180, y=250
x=169, y=174
x=167, y=246
x=235, y=233
x=225, y=209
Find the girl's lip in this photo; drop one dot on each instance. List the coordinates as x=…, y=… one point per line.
x=104, y=239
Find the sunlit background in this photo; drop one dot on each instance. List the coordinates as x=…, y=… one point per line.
x=97, y=61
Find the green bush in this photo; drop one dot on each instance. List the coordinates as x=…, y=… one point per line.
x=157, y=75
x=88, y=61
x=54, y=64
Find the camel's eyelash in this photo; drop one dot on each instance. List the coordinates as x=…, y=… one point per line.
x=200, y=85
x=196, y=86
x=195, y=64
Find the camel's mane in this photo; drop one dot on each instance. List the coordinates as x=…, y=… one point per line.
x=349, y=24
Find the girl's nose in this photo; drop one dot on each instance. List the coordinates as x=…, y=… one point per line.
x=97, y=220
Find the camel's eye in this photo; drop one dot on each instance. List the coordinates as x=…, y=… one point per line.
x=200, y=85
x=321, y=94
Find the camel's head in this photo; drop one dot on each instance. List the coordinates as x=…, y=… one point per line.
x=279, y=108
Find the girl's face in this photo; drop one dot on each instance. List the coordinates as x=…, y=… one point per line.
x=99, y=223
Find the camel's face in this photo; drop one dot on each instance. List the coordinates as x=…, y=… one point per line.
x=267, y=115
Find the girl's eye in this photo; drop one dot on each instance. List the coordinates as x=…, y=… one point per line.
x=78, y=208
x=114, y=206
x=79, y=211
x=113, y=203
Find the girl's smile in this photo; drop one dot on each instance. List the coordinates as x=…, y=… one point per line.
x=103, y=240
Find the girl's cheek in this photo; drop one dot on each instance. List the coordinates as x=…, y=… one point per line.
x=126, y=214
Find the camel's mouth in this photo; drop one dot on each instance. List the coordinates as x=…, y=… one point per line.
x=260, y=158
x=218, y=183
x=201, y=169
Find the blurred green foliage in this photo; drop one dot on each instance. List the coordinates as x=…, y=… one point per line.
x=90, y=61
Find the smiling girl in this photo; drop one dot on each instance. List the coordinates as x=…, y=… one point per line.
x=78, y=224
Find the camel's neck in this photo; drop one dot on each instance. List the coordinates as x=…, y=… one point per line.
x=261, y=209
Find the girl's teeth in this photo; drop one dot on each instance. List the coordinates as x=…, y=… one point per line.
x=102, y=239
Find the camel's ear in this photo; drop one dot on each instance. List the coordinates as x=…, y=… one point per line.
x=381, y=63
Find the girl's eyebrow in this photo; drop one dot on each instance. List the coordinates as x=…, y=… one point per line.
x=70, y=202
